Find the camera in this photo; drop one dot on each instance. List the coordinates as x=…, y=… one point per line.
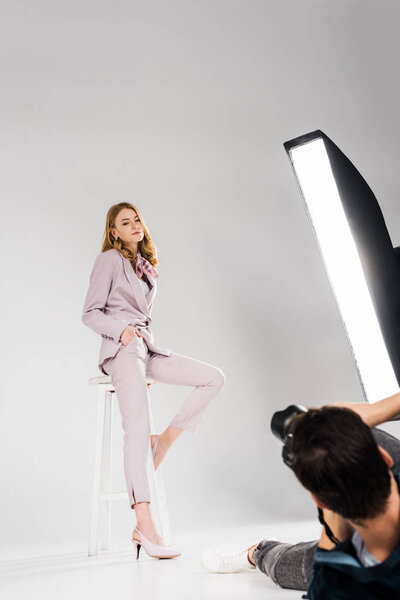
x=281, y=426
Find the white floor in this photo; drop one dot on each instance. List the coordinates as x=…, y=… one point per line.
x=68, y=573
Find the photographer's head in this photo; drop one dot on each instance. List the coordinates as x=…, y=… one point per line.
x=336, y=458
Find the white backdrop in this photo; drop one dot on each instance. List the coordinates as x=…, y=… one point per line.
x=181, y=108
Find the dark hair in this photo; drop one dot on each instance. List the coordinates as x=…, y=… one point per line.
x=337, y=459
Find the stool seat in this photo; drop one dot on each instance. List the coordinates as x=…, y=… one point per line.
x=102, y=495
x=101, y=379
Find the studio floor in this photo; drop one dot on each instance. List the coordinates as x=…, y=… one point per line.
x=66, y=572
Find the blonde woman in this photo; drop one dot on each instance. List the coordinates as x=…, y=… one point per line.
x=118, y=307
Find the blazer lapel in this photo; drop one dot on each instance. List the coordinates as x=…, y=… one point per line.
x=136, y=286
x=150, y=295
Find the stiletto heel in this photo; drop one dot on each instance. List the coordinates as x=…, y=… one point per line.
x=153, y=550
x=138, y=546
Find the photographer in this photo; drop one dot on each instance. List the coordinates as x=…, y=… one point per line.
x=352, y=474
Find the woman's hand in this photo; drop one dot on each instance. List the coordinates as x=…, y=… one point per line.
x=128, y=334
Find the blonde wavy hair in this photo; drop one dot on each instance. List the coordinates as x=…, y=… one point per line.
x=146, y=247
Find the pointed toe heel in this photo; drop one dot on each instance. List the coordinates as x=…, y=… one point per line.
x=153, y=550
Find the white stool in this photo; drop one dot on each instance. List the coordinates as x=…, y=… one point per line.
x=102, y=494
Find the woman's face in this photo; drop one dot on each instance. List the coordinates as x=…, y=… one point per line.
x=128, y=227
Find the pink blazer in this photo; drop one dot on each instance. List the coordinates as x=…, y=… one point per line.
x=115, y=299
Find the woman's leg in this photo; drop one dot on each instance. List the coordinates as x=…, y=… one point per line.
x=128, y=375
x=178, y=369
x=167, y=438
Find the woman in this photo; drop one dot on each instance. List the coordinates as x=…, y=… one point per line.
x=118, y=307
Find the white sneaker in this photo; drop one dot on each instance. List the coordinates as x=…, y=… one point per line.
x=226, y=558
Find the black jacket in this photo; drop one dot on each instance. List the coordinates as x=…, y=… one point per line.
x=338, y=574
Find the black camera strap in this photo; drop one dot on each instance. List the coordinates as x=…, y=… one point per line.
x=328, y=530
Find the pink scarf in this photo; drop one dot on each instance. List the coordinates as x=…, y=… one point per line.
x=143, y=266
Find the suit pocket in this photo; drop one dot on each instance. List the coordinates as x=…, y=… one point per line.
x=136, y=347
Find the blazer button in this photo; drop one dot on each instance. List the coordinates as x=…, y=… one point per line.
x=147, y=323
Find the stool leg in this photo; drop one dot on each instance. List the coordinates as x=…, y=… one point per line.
x=94, y=519
x=160, y=509
x=105, y=506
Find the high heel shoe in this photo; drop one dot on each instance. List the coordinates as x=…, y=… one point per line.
x=154, y=448
x=151, y=549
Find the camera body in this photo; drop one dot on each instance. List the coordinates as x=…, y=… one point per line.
x=281, y=426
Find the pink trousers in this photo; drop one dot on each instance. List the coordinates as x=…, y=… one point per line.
x=128, y=371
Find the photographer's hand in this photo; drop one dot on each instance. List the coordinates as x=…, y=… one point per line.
x=377, y=413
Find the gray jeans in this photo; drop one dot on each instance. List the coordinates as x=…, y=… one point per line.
x=290, y=566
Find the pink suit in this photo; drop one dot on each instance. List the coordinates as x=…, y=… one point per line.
x=114, y=299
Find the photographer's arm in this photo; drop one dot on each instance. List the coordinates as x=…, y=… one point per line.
x=377, y=413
